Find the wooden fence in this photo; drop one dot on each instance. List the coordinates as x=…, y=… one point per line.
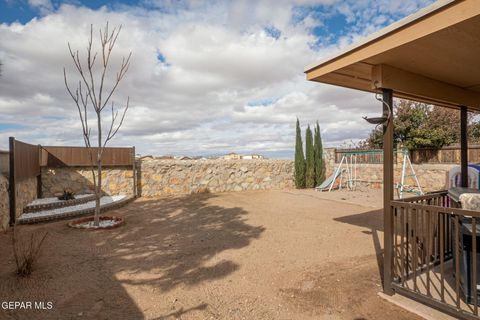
x=4, y=162
x=81, y=157
x=26, y=161
x=445, y=155
x=371, y=156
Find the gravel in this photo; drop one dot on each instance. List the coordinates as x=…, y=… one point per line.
x=59, y=211
x=102, y=224
x=54, y=200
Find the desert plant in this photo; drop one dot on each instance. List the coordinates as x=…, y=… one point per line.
x=318, y=155
x=67, y=194
x=91, y=91
x=309, y=159
x=299, y=159
x=26, y=251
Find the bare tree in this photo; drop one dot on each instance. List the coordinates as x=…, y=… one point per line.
x=90, y=93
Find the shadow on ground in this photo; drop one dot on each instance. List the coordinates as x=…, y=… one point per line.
x=372, y=220
x=164, y=244
x=176, y=240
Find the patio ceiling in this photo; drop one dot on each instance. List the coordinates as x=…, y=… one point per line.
x=432, y=56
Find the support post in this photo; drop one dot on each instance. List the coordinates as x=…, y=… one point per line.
x=463, y=146
x=39, y=177
x=134, y=169
x=11, y=181
x=387, y=191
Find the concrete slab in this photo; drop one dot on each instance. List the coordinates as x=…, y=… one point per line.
x=415, y=307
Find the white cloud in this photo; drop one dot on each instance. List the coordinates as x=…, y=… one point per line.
x=44, y=6
x=202, y=96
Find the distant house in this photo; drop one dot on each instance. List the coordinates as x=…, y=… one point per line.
x=236, y=156
x=232, y=156
x=253, y=156
x=166, y=157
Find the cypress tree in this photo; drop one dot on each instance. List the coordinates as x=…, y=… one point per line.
x=299, y=160
x=318, y=155
x=310, y=160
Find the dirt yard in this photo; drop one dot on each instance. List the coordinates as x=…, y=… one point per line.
x=248, y=255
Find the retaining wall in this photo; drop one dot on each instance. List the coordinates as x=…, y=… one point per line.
x=80, y=180
x=4, y=207
x=169, y=177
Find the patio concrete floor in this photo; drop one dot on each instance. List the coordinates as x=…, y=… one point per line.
x=248, y=255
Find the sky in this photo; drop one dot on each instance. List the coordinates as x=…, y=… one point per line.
x=206, y=77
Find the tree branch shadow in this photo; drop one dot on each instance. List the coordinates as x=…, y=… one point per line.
x=176, y=240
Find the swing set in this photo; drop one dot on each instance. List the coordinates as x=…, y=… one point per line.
x=345, y=174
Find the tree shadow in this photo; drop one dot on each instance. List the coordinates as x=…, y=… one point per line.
x=165, y=244
x=175, y=241
x=69, y=274
x=178, y=313
x=372, y=220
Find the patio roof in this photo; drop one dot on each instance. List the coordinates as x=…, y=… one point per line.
x=432, y=56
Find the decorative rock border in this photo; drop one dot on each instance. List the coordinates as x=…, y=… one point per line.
x=58, y=204
x=66, y=215
x=77, y=223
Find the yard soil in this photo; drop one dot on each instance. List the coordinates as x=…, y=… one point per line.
x=248, y=255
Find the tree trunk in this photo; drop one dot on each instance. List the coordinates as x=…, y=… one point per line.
x=98, y=187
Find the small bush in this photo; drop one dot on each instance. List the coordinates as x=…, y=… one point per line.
x=68, y=194
x=26, y=251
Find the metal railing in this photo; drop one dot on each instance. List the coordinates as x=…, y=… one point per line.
x=435, y=253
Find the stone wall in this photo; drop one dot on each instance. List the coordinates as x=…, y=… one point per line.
x=157, y=177
x=4, y=207
x=80, y=180
x=431, y=176
x=26, y=192
x=168, y=177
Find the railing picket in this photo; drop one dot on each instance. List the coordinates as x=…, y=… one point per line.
x=402, y=244
x=442, y=257
x=415, y=249
x=474, y=265
x=428, y=219
x=457, y=261
x=407, y=238
x=422, y=238
x=395, y=243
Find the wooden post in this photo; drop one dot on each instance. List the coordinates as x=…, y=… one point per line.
x=11, y=181
x=463, y=146
x=39, y=177
x=387, y=191
x=134, y=169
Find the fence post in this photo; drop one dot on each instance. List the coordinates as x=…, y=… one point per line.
x=134, y=169
x=39, y=177
x=11, y=181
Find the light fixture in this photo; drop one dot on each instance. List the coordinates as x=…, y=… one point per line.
x=383, y=119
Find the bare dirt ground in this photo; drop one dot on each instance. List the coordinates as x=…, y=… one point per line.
x=248, y=255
